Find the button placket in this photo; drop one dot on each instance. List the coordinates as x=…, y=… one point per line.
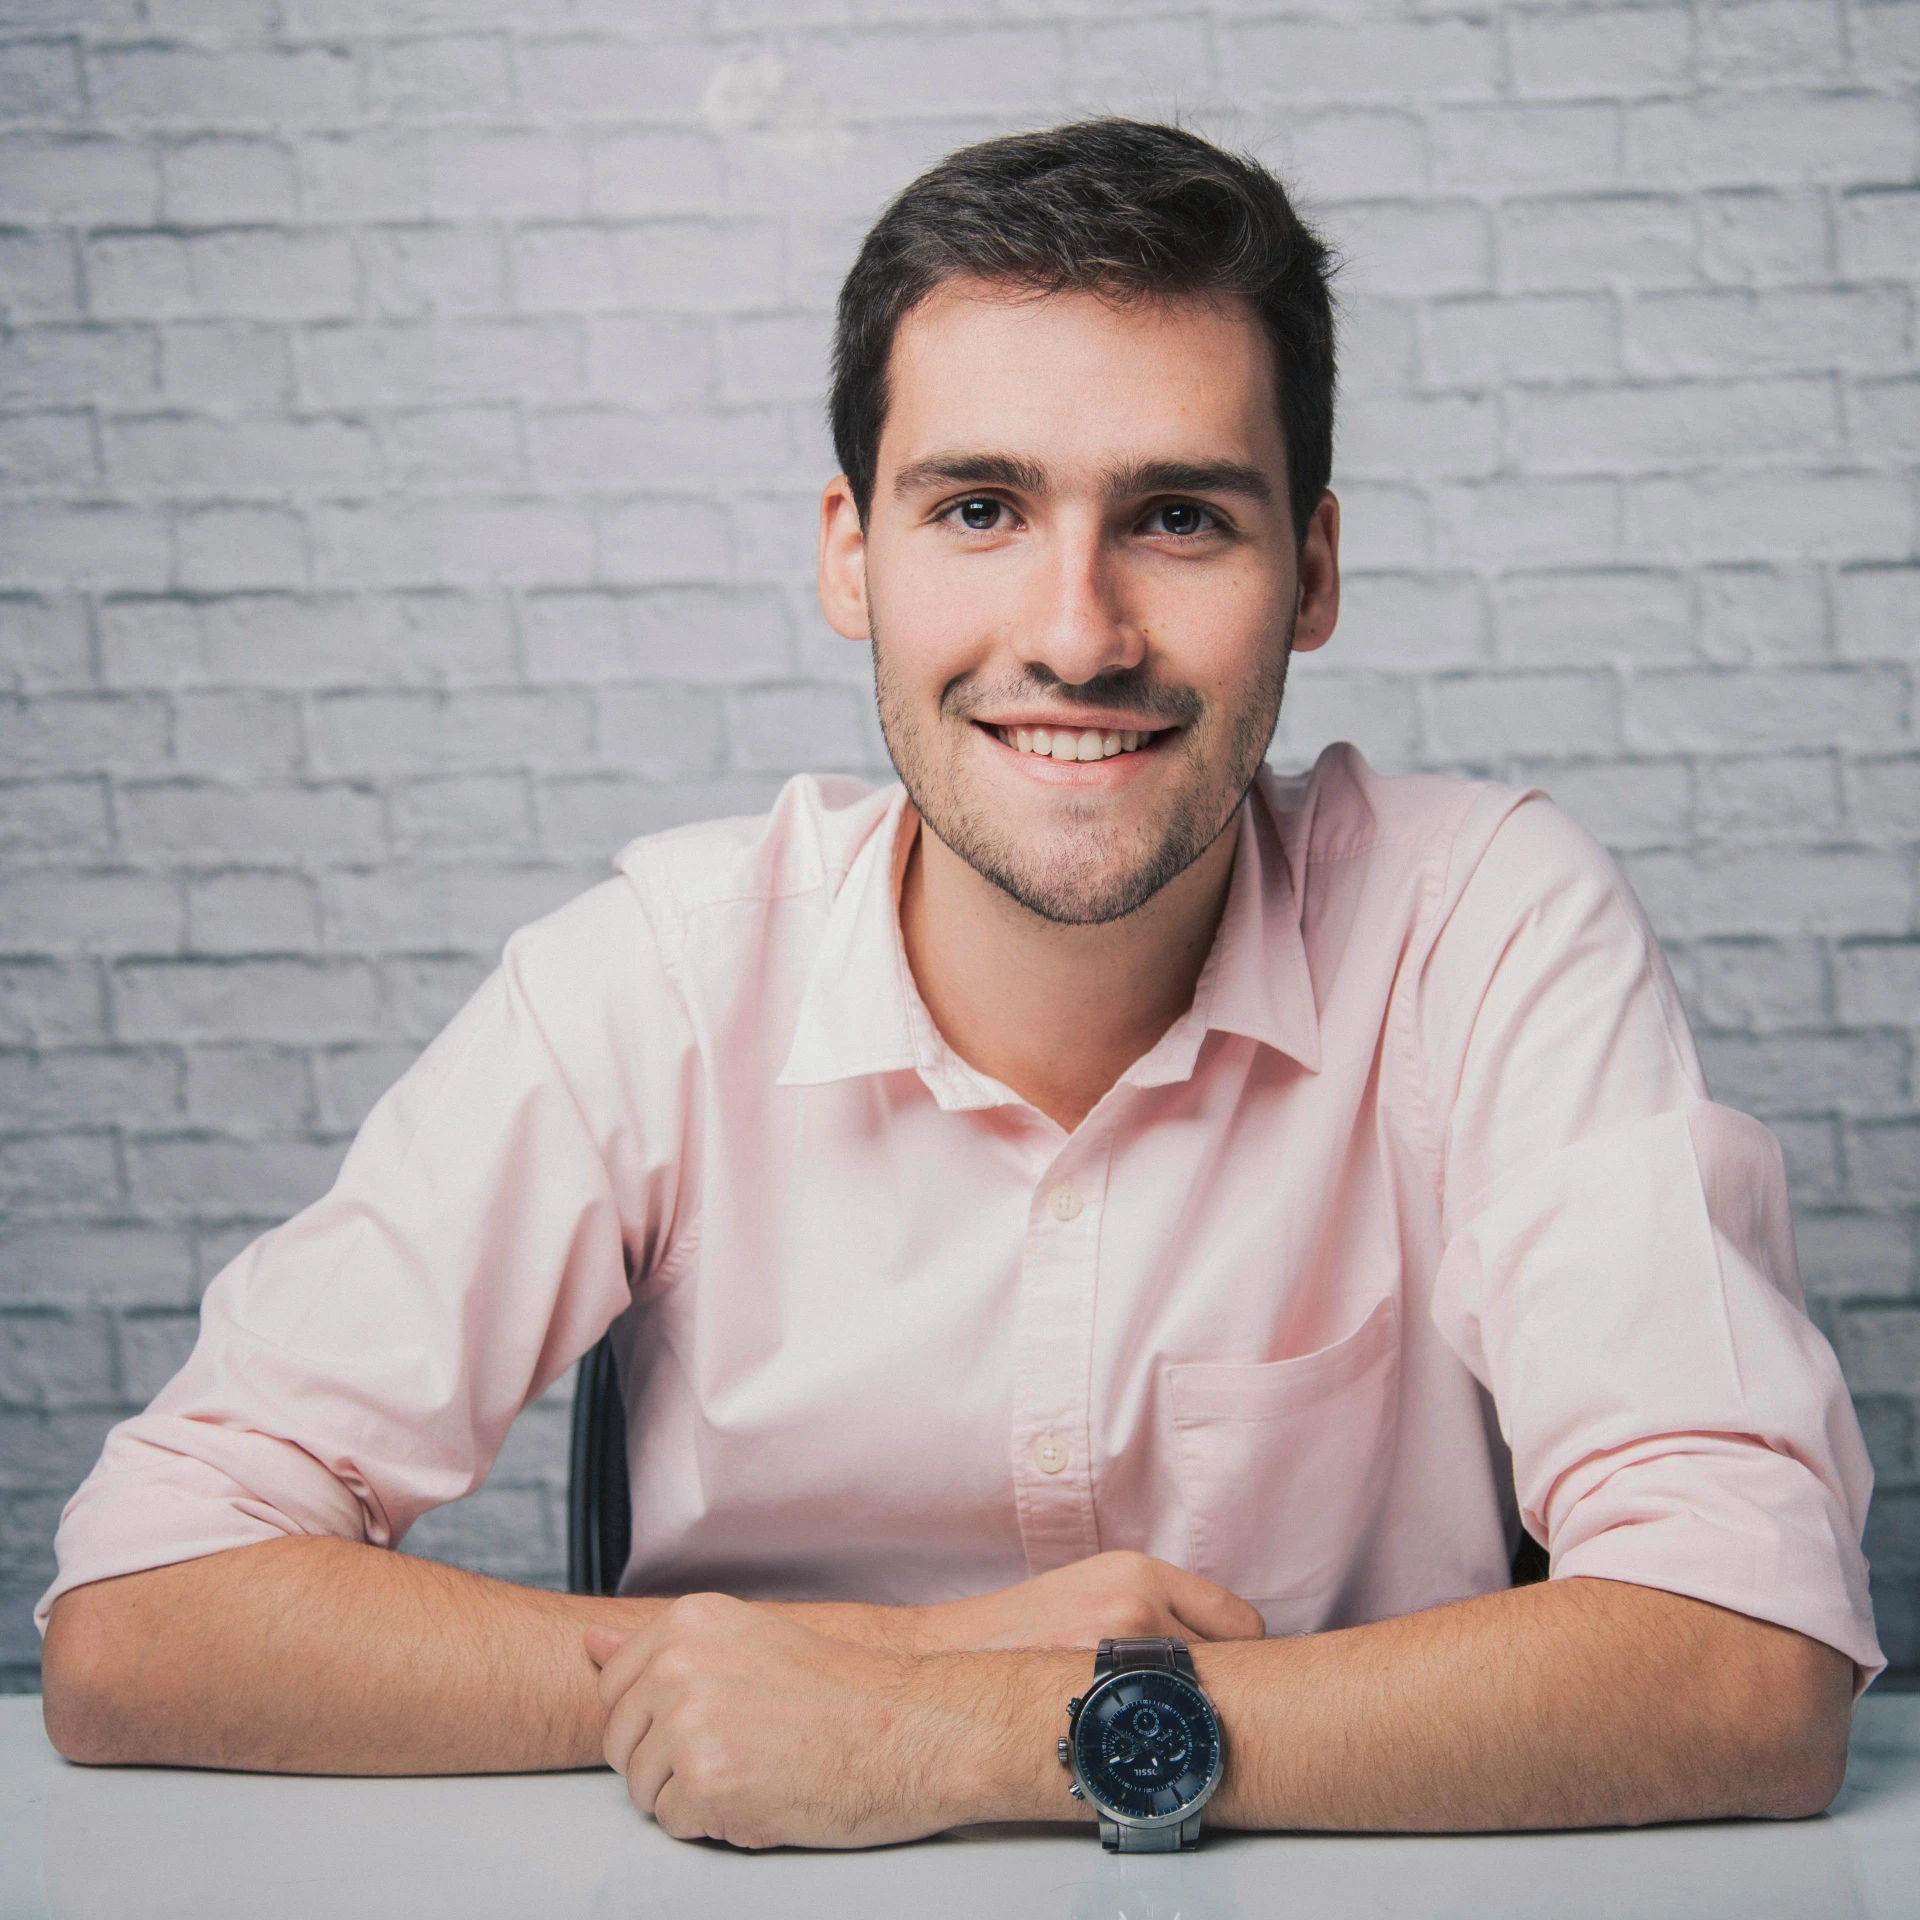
x=1053, y=1482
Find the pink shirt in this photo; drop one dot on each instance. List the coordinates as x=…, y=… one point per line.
x=1423, y=1202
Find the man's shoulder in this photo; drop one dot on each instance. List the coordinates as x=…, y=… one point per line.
x=1424, y=839
x=657, y=927
x=1342, y=809
x=1470, y=863
x=805, y=843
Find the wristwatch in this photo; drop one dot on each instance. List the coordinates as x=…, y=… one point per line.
x=1144, y=1746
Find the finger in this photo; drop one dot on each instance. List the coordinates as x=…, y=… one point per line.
x=1211, y=1612
x=678, y=1813
x=649, y=1770
x=603, y=1642
x=629, y=1721
x=623, y=1666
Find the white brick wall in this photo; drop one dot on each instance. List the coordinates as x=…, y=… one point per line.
x=409, y=428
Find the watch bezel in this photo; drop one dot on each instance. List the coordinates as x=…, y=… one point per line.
x=1153, y=1821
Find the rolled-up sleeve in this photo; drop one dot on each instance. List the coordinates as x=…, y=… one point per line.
x=362, y=1363
x=1619, y=1267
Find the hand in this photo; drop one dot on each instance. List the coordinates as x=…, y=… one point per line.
x=1118, y=1595
x=733, y=1722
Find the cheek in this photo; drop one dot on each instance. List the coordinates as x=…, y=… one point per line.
x=1225, y=646
x=932, y=632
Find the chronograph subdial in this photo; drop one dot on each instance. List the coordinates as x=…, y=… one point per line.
x=1146, y=1746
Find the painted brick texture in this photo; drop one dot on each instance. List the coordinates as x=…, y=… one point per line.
x=409, y=428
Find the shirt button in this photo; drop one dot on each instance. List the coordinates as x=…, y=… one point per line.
x=1049, y=1453
x=1064, y=1202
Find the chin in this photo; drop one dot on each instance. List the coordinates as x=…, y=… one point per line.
x=1072, y=890
x=1076, y=909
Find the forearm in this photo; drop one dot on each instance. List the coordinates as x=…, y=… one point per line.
x=320, y=1655
x=1574, y=1703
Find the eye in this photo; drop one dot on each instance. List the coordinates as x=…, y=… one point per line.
x=979, y=514
x=1183, y=518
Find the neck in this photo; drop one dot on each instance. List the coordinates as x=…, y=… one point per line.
x=1056, y=1013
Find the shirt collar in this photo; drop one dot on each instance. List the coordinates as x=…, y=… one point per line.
x=856, y=1015
x=861, y=1012
x=1256, y=981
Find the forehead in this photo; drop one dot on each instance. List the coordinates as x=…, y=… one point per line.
x=1067, y=378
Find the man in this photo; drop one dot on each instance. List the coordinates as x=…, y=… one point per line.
x=1097, y=1189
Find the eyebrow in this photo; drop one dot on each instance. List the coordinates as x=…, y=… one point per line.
x=1190, y=476
x=970, y=470
x=1123, y=483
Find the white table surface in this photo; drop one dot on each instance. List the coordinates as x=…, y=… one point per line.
x=149, y=1843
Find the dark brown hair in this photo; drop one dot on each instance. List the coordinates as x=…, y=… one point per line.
x=1119, y=207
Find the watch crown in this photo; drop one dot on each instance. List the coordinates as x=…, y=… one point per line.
x=1062, y=1750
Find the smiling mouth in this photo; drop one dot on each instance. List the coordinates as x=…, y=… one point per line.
x=1075, y=743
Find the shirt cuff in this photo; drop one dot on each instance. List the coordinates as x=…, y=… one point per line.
x=151, y=1502
x=1767, y=1542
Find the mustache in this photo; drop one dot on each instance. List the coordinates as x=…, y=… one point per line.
x=1138, y=692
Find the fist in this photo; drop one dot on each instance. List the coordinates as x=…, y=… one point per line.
x=731, y=1722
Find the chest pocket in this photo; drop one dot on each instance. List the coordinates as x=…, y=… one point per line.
x=1282, y=1465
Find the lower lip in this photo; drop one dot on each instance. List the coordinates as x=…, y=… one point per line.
x=1110, y=771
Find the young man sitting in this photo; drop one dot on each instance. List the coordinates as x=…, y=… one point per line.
x=1097, y=1188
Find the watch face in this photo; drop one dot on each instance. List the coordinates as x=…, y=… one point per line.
x=1147, y=1744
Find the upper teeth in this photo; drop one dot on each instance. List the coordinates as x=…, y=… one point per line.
x=1066, y=744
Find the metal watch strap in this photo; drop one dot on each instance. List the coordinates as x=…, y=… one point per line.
x=1149, y=1839
x=1161, y=1654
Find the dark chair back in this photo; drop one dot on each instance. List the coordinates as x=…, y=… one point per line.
x=1530, y=1562
x=599, y=1503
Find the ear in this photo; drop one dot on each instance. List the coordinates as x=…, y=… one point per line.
x=843, y=562
x=1319, y=603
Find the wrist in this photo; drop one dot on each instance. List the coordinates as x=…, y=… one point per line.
x=938, y=1627
x=912, y=1633
x=1014, y=1709
x=1230, y=1675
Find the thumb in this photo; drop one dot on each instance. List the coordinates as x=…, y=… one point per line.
x=603, y=1642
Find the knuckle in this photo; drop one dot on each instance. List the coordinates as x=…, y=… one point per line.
x=1125, y=1615
x=689, y=1721
x=676, y=1665
x=707, y=1764
x=702, y=1612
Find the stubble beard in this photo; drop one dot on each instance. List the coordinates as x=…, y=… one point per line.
x=1086, y=873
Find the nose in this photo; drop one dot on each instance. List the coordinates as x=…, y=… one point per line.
x=1075, y=623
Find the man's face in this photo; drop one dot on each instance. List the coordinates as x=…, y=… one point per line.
x=1080, y=580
